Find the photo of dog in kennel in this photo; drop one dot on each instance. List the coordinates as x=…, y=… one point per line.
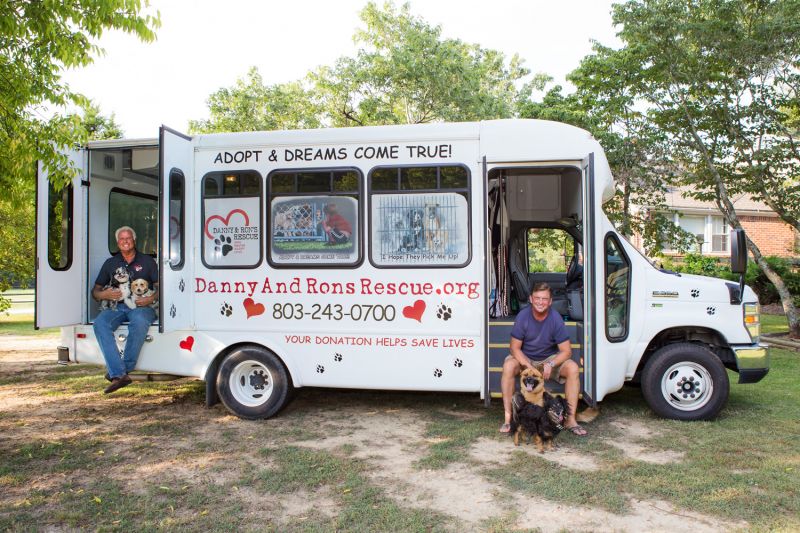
x=121, y=279
x=537, y=412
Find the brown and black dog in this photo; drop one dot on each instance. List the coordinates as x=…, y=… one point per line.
x=537, y=412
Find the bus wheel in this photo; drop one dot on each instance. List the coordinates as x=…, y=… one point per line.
x=253, y=383
x=685, y=381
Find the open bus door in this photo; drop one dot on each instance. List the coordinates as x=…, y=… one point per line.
x=591, y=270
x=61, y=247
x=176, y=169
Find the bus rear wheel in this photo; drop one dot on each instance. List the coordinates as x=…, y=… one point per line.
x=253, y=383
x=685, y=381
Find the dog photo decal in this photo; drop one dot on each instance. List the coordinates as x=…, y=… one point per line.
x=314, y=229
x=419, y=229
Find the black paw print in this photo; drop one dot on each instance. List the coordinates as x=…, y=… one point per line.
x=337, y=357
x=695, y=293
x=443, y=312
x=437, y=373
x=320, y=369
x=226, y=309
x=223, y=243
x=457, y=363
x=711, y=310
x=181, y=285
x=173, y=311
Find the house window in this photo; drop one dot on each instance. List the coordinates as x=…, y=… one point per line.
x=719, y=235
x=710, y=233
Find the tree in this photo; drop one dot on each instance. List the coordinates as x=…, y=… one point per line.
x=17, y=214
x=406, y=73
x=403, y=73
x=252, y=106
x=37, y=41
x=719, y=80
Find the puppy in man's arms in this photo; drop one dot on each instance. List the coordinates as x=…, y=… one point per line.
x=121, y=279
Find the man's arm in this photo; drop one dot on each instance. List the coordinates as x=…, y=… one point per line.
x=516, y=351
x=98, y=293
x=564, y=353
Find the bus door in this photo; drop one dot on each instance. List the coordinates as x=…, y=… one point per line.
x=591, y=273
x=61, y=247
x=176, y=153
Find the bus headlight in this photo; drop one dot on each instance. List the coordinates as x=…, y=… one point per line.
x=752, y=320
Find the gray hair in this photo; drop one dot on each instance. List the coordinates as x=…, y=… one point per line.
x=124, y=228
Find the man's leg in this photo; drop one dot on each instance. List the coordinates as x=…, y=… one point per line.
x=104, y=326
x=572, y=388
x=511, y=369
x=139, y=321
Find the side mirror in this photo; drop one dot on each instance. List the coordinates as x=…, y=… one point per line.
x=738, y=251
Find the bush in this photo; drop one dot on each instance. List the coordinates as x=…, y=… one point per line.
x=754, y=277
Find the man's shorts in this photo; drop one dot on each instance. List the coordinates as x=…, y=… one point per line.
x=555, y=374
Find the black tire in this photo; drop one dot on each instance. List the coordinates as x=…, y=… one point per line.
x=685, y=381
x=252, y=383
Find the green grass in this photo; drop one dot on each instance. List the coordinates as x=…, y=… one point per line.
x=774, y=323
x=22, y=324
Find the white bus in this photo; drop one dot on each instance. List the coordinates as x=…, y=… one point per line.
x=383, y=258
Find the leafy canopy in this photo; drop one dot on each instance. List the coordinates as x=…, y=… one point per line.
x=38, y=40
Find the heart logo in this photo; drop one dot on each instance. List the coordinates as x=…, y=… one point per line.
x=252, y=308
x=226, y=220
x=414, y=312
x=187, y=343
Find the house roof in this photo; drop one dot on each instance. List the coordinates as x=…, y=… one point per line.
x=675, y=198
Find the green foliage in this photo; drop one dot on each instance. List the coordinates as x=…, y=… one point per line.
x=37, y=42
x=96, y=126
x=549, y=250
x=252, y=106
x=403, y=73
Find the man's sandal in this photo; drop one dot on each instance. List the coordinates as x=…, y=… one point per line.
x=577, y=430
x=505, y=428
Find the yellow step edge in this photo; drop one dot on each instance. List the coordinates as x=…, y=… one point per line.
x=498, y=345
x=500, y=394
x=501, y=323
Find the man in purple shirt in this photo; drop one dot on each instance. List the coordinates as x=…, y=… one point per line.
x=539, y=338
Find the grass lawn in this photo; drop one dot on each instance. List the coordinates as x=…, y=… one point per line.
x=152, y=457
x=22, y=324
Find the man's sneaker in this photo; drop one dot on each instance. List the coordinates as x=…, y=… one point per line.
x=118, y=383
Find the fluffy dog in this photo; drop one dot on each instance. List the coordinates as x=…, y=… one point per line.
x=141, y=289
x=121, y=279
x=542, y=422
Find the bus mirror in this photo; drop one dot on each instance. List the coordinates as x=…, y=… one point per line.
x=738, y=251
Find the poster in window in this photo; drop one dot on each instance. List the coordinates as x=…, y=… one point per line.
x=231, y=232
x=419, y=229
x=314, y=229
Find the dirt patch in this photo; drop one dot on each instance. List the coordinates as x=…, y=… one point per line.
x=169, y=441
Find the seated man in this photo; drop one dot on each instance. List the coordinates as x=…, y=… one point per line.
x=140, y=266
x=539, y=337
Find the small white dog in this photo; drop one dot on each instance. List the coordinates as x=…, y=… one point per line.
x=120, y=280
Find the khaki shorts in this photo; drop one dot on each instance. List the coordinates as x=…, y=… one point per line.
x=555, y=374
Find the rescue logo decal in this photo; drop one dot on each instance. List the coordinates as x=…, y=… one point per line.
x=252, y=308
x=187, y=343
x=416, y=311
x=226, y=221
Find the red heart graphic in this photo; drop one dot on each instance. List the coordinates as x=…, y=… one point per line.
x=252, y=308
x=414, y=312
x=187, y=343
x=226, y=220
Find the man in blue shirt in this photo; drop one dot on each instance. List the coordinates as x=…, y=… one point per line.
x=539, y=338
x=139, y=266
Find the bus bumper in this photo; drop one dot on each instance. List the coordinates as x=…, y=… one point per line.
x=752, y=362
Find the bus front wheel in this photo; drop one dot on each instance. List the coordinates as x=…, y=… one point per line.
x=685, y=381
x=253, y=383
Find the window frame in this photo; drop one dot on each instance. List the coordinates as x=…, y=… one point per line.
x=359, y=193
x=612, y=236
x=110, y=230
x=179, y=173
x=466, y=192
x=68, y=205
x=260, y=216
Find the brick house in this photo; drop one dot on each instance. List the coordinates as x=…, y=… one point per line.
x=772, y=235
